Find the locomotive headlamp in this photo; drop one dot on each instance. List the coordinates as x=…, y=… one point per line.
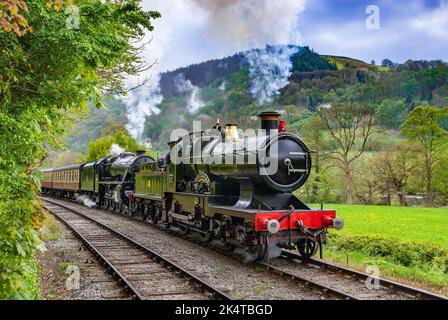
x=338, y=223
x=273, y=226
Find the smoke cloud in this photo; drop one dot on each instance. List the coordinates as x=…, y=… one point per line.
x=219, y=28
x=85, y=200
x=184, y=85
x=115, y=149
x=269, y=70
x=140, y=103
x=253, y=22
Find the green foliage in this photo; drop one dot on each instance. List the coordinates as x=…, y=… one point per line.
x=408, y=254
x=408, y=242
x=391, y=113
x=410, y=224
x=97, y=122
x=46, y=78
x=427, y=263
x=308, y=60
x=101, y=147
x=424, y=125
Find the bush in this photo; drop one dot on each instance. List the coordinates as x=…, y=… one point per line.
x=407, y=254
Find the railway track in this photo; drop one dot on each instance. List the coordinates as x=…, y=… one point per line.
x=390, y=289
x=412, y=292
x=143, y=273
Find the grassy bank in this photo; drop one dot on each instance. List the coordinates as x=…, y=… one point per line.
x=409, y=243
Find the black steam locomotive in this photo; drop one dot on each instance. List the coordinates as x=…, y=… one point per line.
x=217, y=184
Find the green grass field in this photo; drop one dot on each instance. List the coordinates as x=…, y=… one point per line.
x=409, y=243
x=423, y=225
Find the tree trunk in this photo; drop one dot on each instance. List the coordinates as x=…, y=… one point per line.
x=402, y=198
x=348, y=183
x=428, y=169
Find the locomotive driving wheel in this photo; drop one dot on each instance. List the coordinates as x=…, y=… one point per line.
x=154, y=214
x=227, y=245
x=145, y=212
x=184, y=230
x=106, y=204
x=204, y=236
x=307, y=247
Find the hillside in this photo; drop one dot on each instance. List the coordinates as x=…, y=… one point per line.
x=291, y=78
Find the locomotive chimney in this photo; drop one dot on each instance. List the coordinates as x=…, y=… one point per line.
x=269, y=120
x=140, y=152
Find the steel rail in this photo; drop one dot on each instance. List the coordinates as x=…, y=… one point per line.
x=416, y=292
x=326, y=291
x=214, y=291
x=117, y=274
x=322, y=289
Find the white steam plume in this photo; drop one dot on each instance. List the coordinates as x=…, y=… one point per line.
x=228, y=26
x=86, y=201
x=254, y=22
x=140, y=103
x=184, y=85
x=269, y=70
x=115, y=149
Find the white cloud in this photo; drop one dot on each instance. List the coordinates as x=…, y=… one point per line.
x=408, y=31
x=433, y=23
x=252, y=23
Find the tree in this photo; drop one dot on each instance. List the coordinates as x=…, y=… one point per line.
x=391, y=113
x=47, y=75
x=11, y=16
x=394, y=166
x=387, y=63
x=102, y=147
x=313, y=131
x=350, y=127
x=423, y=125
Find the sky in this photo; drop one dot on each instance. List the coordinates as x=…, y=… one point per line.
x=191, y=31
